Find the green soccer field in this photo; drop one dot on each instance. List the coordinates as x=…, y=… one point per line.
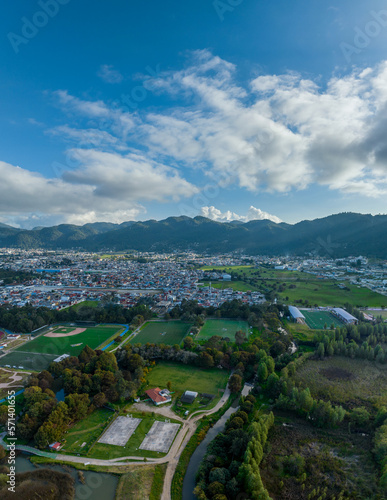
x=162, y=332
x=39, y=352
x=317, y=319
x=223, y=328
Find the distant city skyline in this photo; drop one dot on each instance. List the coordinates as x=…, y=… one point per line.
x=230, y=110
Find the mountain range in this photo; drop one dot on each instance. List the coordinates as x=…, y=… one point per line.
x=337, y=235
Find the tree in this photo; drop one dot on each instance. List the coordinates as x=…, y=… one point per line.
x=321, y=350
x=360, y=416
x=2, y=452
x=240, y=337
x=235, y=383
x=262, y=372
x=99, y=400
x=206, y=360
x=188, y=342
x=169, y=385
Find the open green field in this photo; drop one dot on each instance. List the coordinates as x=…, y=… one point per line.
x=323, y=292
x=187, y=378
x=142, y=483
x=85, y=303
x=28, y=360
x=41, y=351
x=317, y=319
x=239, y=286
x=162, y=332
x=376, y=314
x=351, y=382
x=109, y=451
x=87, y=431
x=223, y=328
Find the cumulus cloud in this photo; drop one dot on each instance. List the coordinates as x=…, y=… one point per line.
x=277, y=133
x=282, y=132
x=274, y=133
x=108, y=74
x=103, y=187
x=252, y=214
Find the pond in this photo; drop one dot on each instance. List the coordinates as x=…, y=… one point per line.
x=98, y=486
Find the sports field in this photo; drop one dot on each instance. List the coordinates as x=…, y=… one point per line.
x=162, y=332
x=39, y=352
x=317, y=319
x=223, y=328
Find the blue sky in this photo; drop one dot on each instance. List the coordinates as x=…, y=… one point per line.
x=232, y=109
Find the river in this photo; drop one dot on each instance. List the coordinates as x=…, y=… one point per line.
x=198, y=454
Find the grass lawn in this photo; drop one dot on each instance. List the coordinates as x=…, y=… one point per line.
x=87, y=431
x=223, y=328
x=188, y=378
x=143, y=483
x=376, y=314
x=239, y=286
x=162, y=332
x=327, y=293
x=351, y=382
x=88, y=303
x=317, y=319
x=108, y=451
x=323, y=292
x=28, y=360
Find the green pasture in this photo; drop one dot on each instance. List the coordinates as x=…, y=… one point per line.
x=187, y=378
x=162, y=332
x=223, y=328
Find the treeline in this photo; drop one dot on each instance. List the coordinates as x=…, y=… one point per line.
x=189, y=310
x=380, y=442
x=320, y=413
x=91, y=380
x=253, y=457
x=28, y=318
x=244, y=359
x=231, y=465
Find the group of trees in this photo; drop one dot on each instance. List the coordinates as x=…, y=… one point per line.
x=320, y=413
x=380, y=442
x=90, y=381
x=28, y=318
x=253, y=457
x=220, y=473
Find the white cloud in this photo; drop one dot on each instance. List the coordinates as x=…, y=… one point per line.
x=276, y=133
x=108, y=74
x=285, y=133
x=103, y=187
x=252, y=214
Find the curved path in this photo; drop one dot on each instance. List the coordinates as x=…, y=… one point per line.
x=187, y=430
